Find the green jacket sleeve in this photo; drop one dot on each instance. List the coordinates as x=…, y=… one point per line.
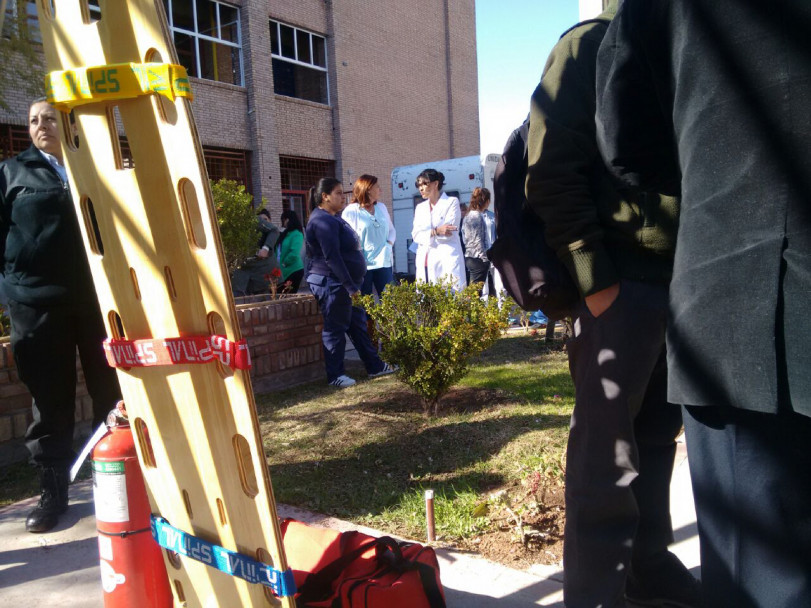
x=564, y=160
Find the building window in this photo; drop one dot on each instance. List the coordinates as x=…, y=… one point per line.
x=13, y=140
x=299, y=63
x=221, y=163
x=207, y=38
x=21, y=21
x=298, y=175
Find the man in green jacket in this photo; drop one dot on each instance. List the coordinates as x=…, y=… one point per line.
x=618, y=248
x=53, y=308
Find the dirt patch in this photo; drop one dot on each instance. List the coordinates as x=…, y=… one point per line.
x=524, y=530
x=459, y=400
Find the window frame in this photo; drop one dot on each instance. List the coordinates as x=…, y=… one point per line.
x=196, y=36
x=311, y=64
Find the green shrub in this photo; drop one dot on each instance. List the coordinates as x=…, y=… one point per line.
x=433, y=333
x=236, y=218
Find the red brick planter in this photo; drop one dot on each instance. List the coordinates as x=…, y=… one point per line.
x=284, y=337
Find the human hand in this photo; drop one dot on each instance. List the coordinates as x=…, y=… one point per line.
x=600, y=301
x=446, y=229
x=262, y=254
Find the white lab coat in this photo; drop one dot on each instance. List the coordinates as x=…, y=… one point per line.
x=443, y=253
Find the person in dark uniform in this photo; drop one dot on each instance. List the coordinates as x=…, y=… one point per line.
x=710, y=99
x=52, y=306
x=618, y=247
x=335, y=274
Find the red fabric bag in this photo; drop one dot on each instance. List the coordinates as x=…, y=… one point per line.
x=354, y=570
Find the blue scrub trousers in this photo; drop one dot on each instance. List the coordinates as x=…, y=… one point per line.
x=340, y=319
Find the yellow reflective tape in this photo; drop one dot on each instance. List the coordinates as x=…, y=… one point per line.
x=67, y=89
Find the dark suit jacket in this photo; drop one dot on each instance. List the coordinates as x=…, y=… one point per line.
x=730, y=132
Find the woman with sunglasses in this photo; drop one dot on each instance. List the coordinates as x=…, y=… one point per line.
x=436, y=232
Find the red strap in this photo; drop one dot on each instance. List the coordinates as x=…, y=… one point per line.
x=176, y=351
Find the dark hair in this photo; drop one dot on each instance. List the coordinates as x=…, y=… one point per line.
x=293, y=223
x=432, y=175
x=324, y=186
x=360, y=193
x=479, y=199
x=264, y=211
x=36, y=101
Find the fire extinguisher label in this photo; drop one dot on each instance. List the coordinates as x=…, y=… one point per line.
x=110, y=578
x=110, y=492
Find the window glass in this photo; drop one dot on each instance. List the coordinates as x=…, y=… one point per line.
x=303, y=48
x=186, y=52
x=294, y=80
x=319, y=52
x=182, y=15
x=229, y=23
x=209, y=44
x=288, y=46
x=207, y=18
x=219, y=62
x=299, y=63
x=274, y=38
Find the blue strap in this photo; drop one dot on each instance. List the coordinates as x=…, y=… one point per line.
x=235, y=564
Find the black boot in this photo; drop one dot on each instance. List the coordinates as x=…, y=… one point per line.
x=662, y=581
x=53, y=500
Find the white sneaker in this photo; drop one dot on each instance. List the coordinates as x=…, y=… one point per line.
x=387, y=369
x=342, y=381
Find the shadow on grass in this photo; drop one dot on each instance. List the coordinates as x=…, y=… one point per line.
x=450, y=457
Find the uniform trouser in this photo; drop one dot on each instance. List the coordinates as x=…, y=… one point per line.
x=340, y=319
x=621, y=445
x=377, y=279
x=44, y=340
x=751, y=475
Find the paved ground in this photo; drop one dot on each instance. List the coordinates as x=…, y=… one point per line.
x=61, y=569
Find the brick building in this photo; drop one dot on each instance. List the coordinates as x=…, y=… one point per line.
x=287, y=91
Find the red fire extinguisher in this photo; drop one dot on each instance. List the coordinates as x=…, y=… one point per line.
x=133, y=573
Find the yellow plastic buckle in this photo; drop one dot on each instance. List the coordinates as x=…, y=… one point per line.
x=67, y=89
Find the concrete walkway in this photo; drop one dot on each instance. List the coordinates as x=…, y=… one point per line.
x=61, y=568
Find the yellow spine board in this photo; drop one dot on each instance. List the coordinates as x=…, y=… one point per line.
x=157, y=265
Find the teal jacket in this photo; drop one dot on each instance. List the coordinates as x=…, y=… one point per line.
x=290, y=253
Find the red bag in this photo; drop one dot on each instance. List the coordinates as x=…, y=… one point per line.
x=354, y=570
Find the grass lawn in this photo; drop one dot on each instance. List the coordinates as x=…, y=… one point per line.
x=494, y=455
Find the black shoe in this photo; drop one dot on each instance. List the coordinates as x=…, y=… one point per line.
x=662, y=581
x=53, y=500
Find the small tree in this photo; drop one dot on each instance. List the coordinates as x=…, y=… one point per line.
x=433, y=332
x=237, y=221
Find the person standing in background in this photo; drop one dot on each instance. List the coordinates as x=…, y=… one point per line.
x=617, y=246
x=335, y=273
x=53, y=308
x=370, y=221
x=290, y=245
x=475, y=236
x=436, y=232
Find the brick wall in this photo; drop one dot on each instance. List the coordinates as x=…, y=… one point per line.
x=284, y=337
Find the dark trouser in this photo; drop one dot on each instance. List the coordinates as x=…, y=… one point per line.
x=295, y=281
x=253, y=277
x=751, y=475
x=377, y=279
x=44, y=342
x=340, y=319
x=479, y=272
x=621, y=445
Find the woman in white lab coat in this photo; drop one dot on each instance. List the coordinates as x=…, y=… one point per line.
x=436, y=232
